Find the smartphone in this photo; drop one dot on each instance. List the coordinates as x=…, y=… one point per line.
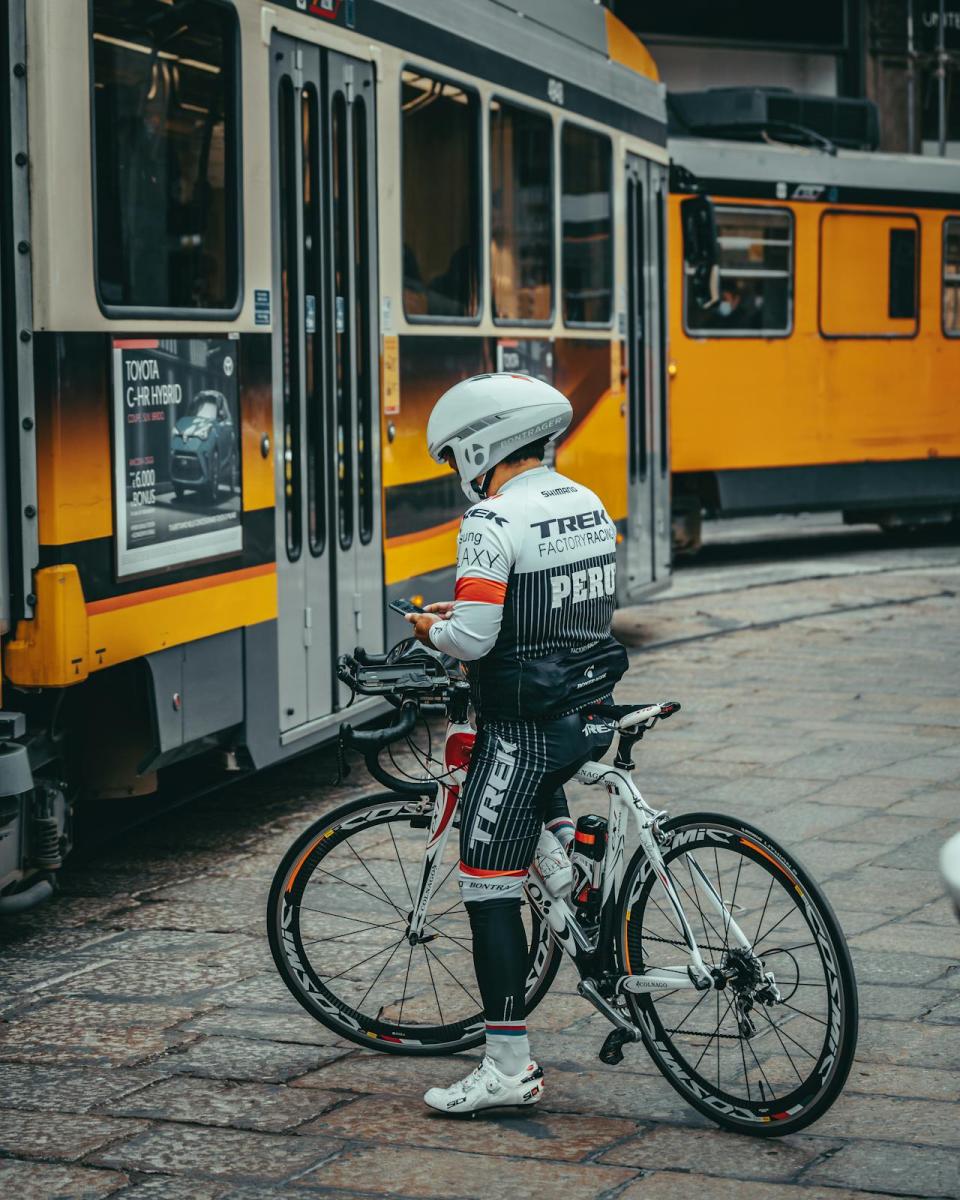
x=404, y=606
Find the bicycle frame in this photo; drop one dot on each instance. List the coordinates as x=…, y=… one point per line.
x=556, y=913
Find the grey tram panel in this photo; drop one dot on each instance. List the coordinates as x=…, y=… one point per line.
x=660, y=392
x=286, y=60
x=359, y=565
x=18, y=313
x=641, y=332
x=331, y=599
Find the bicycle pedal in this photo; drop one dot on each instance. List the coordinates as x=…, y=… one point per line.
x=611, y=1052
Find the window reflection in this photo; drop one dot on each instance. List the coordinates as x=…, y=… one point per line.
x=165, y=132
x=441, y=216
x=587, y=214
x=521, y=213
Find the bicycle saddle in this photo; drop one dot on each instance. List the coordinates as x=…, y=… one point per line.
x=629, y=716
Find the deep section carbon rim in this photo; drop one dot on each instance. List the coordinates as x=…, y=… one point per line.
x=338, y=915
x=761, y=1061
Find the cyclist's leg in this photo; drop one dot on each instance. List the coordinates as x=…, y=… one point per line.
x=517, y=770
x=557, y=817
x=498, y=835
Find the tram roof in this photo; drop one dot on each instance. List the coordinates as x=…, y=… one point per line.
x=525, y=44
x=895, y=177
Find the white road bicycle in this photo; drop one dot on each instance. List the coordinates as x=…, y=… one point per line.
x=712, y=946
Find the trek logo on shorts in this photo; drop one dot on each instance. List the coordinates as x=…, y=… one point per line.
x=501, y=776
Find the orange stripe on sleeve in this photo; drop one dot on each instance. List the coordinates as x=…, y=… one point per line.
x=486, y=591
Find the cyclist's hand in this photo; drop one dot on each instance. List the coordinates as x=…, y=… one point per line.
x=421, y=623
x=443, y=608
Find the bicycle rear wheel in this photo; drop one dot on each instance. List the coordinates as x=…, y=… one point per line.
x=750, y=1062
x=337, y=923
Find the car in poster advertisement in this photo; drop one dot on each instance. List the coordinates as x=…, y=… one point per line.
x=203, y=450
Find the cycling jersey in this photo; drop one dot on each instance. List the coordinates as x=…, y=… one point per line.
x=536, y=573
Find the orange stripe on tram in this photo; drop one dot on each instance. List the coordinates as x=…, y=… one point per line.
x=486, y=591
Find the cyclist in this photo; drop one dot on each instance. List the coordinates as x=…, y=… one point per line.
x=536, y=580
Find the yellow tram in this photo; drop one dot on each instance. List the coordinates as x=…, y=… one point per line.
x=245, y=245
x=827, y=377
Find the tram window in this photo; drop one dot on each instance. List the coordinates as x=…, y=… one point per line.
x=441, y=198
x=361, y=260
x=313, y=360
x=868, y=274
x=521, y=213
x=166, y=123
x=586, y=208
x=288, y=314
x=756, y=276
x=951, y=277
x=902, y=301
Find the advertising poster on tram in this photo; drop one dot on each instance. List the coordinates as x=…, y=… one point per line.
x=176, y=451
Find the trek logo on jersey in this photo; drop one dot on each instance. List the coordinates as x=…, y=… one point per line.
x=589, y=584
x=587, y=520
x=485, y=514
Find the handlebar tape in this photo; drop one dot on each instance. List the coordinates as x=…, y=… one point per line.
x=375, y=739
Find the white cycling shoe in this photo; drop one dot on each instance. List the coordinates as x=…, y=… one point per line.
x=488, y=1087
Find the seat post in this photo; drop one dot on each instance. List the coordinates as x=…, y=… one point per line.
x=625, y=746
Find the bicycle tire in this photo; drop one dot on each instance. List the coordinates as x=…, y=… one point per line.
x=807, y=1100
x=301, y=977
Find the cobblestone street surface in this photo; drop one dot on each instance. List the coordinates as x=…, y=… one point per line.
x=149, y=1051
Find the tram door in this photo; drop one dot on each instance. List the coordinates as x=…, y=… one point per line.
x=325, y=372
x=648, y=528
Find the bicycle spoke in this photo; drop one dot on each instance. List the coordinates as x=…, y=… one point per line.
x=764, y=910
x=362, y=891
x=406, y=980
x=773, y=1090
x=689, y=1014
x=703, y=916
x=728, y=917
x=776, y=1030
x=436, y=994
x=450, y=938
x=780, y=1029
x=353, y=966
x=372, y=876
x=793, y=908
x=714, y=1034
x=440, y=963
x=746, y=1073
x=669, y=920
x=378, y=974
x=696, y=900
x=403, y=872
x=804, y=1013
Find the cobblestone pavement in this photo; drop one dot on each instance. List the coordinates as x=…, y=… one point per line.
x=148, y=1049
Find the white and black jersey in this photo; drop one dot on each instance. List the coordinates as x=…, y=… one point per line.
x=536, y=572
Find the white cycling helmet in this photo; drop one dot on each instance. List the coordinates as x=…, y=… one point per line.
x=483, y=419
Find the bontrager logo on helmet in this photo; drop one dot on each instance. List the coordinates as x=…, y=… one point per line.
x=483, y=419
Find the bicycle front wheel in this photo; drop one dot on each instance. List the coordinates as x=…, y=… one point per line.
x=337, y=920
x=762, y=1057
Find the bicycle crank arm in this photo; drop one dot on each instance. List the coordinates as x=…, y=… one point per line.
x=588, y=989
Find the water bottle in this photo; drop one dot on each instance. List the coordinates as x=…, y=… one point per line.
x=589, y=848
